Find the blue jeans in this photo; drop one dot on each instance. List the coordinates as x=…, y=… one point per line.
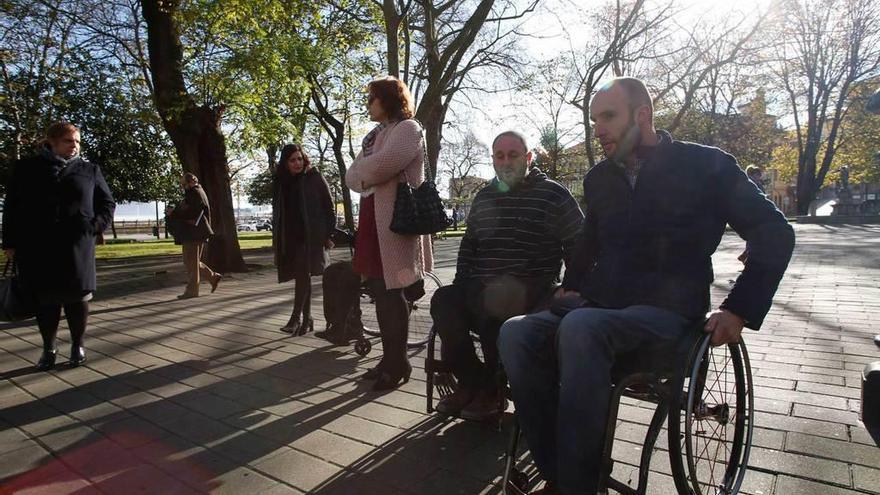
x=560, y=375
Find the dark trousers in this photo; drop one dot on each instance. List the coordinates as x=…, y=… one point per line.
x=49, y=315
x=560, y=375
x=480, y=307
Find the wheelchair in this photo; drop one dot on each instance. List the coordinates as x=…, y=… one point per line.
x=361, y=319
x=708, y=406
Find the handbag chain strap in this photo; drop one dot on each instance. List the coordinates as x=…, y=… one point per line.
x=426, y=164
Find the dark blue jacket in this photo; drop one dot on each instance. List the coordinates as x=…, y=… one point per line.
x=652, y=244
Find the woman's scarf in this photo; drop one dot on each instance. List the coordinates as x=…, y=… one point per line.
x=370, y=139
x=367, y=150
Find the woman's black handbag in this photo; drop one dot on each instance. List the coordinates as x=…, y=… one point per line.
x=15, y=302
x=420, y=210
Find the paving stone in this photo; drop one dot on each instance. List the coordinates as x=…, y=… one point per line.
x=52, y=478
x=801, y=466
x=332, y=448
x=787, y=485
x=855, y=453
x=22, y=459
x=826, y=414
x=299, y=470
x=866, y=478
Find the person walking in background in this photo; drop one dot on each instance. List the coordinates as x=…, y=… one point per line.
x=304, y=219
x=392, y=264
x=193, y=219
x=56, y=203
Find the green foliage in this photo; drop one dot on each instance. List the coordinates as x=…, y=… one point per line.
x=860, y=137
x=254, y=58
x=51, y=72
x=259, y=189
x=120, y=133
x=859, y=144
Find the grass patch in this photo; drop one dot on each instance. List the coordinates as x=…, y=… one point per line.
x=159, y=247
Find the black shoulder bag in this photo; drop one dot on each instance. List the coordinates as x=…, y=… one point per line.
x=419, y=211
x=16, y=303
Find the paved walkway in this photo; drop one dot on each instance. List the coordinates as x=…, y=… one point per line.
x=208, y=396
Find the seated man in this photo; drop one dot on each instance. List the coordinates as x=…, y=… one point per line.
x=656, y=210
x=520, y=227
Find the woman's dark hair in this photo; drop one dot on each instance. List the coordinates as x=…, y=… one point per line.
x=286, y=151
x=394, y=97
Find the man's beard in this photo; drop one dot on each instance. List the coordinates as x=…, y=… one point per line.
x=628, y=141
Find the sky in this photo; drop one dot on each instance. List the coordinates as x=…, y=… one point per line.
x=551, y=29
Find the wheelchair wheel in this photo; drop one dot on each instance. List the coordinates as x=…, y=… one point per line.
x=420, y=322
x=711, y=421
x=362, y=347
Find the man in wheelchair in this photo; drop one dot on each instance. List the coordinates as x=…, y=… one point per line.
x=519, y=229
x=656, y=210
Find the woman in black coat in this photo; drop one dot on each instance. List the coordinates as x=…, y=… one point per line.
x=56, y=204
x=303, y=219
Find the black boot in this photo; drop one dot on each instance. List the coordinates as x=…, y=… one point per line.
x=77, y=355
x=308, y=325
x=292, y=327
x=47, y=359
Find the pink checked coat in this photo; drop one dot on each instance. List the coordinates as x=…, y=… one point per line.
x=397, y=152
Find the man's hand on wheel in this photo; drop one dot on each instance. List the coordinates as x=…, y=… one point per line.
x=725, y=327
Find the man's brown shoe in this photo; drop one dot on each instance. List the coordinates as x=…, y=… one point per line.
x=215, y=282
x=453, y=403
x=485, y=406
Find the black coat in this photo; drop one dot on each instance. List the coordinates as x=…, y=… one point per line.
x=52, y=213
x=653, y=244
x=192, y=217
x=299, y=241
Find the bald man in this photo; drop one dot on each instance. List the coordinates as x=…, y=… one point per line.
x=656, y=210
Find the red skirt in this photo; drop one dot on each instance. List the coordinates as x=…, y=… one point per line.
x=367, y=258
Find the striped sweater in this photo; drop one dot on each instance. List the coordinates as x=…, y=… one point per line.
x=525, y=232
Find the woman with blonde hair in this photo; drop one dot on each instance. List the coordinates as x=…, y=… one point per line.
x=56, y=204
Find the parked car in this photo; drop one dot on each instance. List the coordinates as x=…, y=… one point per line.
x=264, y=225
x=246, y=227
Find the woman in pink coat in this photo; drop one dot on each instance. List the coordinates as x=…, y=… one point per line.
x=392, y=264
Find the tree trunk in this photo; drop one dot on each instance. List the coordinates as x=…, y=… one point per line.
x=346, y=193
x=392, y=42
x=194, y=130
x=806, y=185
x=434, y=115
